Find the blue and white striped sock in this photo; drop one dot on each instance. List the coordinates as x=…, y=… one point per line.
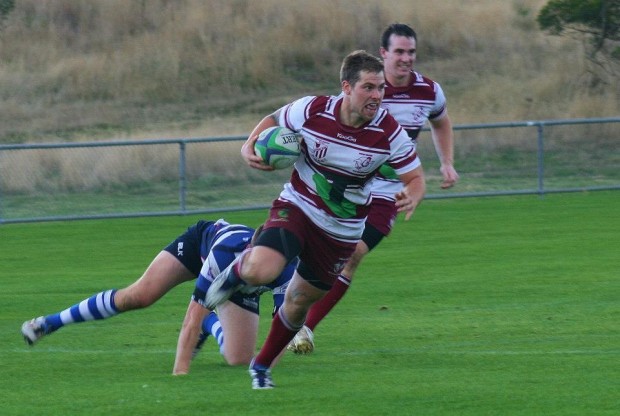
x=211, y=325
x=98, y=306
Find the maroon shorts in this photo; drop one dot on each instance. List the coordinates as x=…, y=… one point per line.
x=320, y=253
x=382, y=215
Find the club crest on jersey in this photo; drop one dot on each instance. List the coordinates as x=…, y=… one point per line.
x=419, y=116
x=320, y=150
x=339, y=265
x=363, y=162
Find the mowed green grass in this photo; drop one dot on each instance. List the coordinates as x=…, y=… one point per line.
x=488, y=306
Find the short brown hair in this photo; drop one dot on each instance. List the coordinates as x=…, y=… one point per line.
x=356, y=62
x=398, y=29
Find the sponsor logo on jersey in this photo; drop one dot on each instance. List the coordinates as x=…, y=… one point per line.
x=401, y=96
x=180, y=249
x=347, y=138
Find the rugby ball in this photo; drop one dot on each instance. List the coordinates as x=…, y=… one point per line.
x=278, y=146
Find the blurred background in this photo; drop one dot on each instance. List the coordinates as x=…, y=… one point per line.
x=75, y=71
x=81, y=69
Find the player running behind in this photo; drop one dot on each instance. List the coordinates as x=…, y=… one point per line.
x=319, y=216
x=216, y=243
x=411, y=99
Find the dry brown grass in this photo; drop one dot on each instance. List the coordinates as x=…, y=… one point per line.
x=83, y=70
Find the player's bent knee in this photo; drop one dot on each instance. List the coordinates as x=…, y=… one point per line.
x=261, y=271
x=235, y=360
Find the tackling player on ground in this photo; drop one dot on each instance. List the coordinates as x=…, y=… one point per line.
x=238, y=318
x=206, y=247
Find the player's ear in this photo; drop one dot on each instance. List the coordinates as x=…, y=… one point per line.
x=346, y=87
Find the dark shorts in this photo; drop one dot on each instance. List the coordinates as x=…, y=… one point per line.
x=186, y=247
x=322, y=258
x=371, y=237
x=248, y=302
x=382, y=215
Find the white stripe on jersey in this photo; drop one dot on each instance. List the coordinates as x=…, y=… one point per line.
x=211, y=266
x=224, y=233
x=383, y=188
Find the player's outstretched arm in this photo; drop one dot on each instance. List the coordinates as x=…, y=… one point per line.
x=443, y=139
x=412, y=193
x=188, y=337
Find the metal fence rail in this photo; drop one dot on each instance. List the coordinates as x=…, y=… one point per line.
x=181, y=176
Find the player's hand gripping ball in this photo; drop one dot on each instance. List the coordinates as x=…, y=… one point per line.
x=279, y=147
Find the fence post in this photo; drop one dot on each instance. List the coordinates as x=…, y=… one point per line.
x=541, y=159
x=1, y=201
x=182, y=178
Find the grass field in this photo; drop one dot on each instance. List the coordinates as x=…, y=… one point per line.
x=490, y=306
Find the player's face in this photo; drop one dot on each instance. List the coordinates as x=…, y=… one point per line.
x=399, y=58
x=365, y=97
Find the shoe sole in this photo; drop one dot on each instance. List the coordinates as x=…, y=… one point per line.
x=262, y=388
x=216, y=295
x=28, y=333
x=303, y=347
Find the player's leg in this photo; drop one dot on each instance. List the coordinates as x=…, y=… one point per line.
x=320, y=263
x=178, y=262
x=238, y=319
x=238, y=333
x=378, y=225
x=210, y=326
x=299, y=296
x=320, y=309
x=303, y=342
x=164, y=272
x=234, y=327
x=256, y=266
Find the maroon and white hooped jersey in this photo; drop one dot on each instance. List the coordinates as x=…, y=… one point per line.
x=331, y=180
x=412, y=105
